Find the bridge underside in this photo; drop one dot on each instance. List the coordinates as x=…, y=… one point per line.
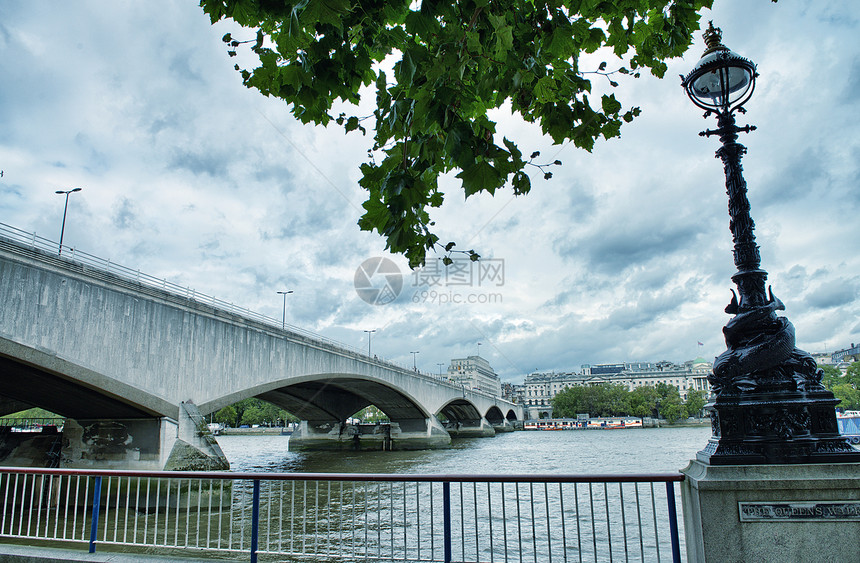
x=339, y=398
x=100, y=430
x=462, y=420
x=324, y=405
x=24, y=386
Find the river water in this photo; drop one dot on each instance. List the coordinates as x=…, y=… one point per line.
x=593, y=523
x=635, y=450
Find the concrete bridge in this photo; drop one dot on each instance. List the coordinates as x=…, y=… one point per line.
x=135, y=367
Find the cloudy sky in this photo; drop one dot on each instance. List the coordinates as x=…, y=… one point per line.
x=625, y=255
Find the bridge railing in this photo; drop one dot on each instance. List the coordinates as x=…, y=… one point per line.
x=348, y=517
x=33, y=241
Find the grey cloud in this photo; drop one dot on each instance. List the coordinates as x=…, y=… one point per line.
x=627, y=243
x=834, y=293
x=181, y=66
x=645, y=308
x=209, y=163
x=124, y=216
x=803, y=173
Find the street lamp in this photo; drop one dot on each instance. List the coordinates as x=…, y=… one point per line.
x=369, y=332
x=65, y=209
x=440, y=368
x=769, y=404
x=284, y=317
x=414, y=365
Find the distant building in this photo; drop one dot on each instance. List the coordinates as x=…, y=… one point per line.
x=539, y=389
x=474, y=372
x=849, y=355
x=509, y=392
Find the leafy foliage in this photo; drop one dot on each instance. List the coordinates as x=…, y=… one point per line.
x=253, y=411
x=852, y=375
x=34, y=412
x=845, y=388
x=615, y=400
x=831, y=376
x=438, y=68
x=695, y=403
x=371, y=414
x=227, y=416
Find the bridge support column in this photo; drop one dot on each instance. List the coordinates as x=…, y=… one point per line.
x=477, y=428
x=503, y=426
x=194, y=448
x=143, y=444
x=411, y=434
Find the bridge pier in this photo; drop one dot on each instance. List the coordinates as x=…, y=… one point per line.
x=503, y=426
x=471, y=428
x=157, y=444
x=410, y=434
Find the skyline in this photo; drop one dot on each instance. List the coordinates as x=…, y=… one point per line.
x=624, y=255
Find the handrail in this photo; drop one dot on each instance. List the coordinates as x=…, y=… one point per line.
x=265, y=513
x=374, y=477
x=70, y=254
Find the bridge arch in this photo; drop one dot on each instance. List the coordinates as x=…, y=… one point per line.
x=331, y=397
x=494, y=416
x=65, y=387
x=460, y=410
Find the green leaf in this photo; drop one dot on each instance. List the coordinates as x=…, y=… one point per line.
x=545, y=91
x=325, y=12
x=610, y=104
x=456, y=62
x=480, y=177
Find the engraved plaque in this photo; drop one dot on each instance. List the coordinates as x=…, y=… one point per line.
x=810, y=511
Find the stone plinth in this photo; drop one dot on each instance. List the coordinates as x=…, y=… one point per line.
x=767, y=513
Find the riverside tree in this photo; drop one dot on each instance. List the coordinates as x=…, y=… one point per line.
x=846, y=387
x=437, y=70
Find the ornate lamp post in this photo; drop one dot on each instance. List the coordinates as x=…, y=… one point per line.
x=769, y=406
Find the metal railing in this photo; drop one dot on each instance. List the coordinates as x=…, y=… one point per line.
x=349, y=517
x=35, y=242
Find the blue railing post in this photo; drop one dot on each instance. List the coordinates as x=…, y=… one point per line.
x=673, y=522
x=446, y=519
x=97, y=497
x=255, y=520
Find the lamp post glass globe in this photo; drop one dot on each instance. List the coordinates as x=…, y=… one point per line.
x=722, y=80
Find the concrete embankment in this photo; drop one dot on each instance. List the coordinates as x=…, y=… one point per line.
x=261, y=431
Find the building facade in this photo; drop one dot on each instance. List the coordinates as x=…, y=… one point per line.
x=851, y=354
x=538, y=389
x=474, y=372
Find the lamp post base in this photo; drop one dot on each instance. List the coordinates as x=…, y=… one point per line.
x=772, y=428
